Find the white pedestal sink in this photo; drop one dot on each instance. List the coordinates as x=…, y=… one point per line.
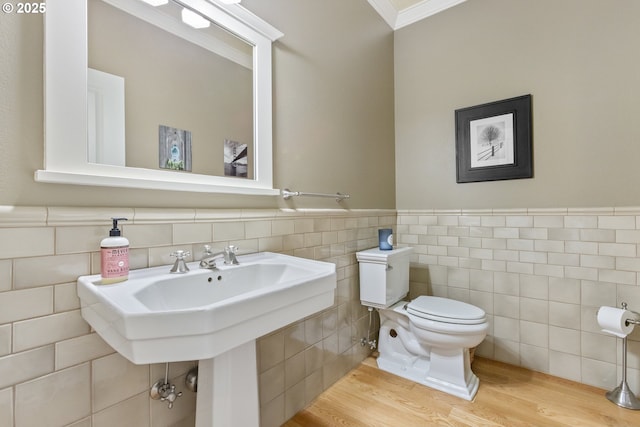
x=228, y=389
x=213, y=316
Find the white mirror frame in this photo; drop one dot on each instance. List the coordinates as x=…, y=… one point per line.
x=65, y=61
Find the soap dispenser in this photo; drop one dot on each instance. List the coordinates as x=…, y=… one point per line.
x=114, y=255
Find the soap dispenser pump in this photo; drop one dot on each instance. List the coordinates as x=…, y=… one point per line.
x=114, y=255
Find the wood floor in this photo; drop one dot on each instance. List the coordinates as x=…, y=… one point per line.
x=508, y=396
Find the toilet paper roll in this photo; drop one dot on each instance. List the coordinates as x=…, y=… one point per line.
x=613, y=320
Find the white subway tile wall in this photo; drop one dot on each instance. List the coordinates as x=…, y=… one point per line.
x=540, y=274
x=55, y=371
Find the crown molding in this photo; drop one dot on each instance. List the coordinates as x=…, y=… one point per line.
x=398, y=19
x=386, y=10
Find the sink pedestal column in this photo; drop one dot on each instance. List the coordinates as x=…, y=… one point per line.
x=228, y=389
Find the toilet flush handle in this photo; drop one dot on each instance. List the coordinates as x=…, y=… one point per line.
x=389, y=267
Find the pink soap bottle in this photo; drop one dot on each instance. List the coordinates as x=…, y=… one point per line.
x=114, y=256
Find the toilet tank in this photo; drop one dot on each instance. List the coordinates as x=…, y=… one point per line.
x=384, y=276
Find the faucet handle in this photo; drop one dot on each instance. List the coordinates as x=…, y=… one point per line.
x=180, y=254
x=230, y=255
x=171, y=395
x=180, y=266
x=164, y=392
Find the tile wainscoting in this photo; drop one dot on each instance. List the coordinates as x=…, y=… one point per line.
x=540, y=274
x=55, y=371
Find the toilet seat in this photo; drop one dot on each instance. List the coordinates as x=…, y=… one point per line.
x=446, y=310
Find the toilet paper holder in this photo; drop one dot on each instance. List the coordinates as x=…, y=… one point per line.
x=622, y=395
x=632, y=321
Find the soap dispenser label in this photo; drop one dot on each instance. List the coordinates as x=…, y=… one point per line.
x=115, y=262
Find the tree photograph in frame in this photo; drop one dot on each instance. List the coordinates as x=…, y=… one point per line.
x=235, y=159
x=493, y=141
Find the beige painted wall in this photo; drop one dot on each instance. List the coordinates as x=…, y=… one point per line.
x=333, y=99
x=333, y=113
x=578, y=59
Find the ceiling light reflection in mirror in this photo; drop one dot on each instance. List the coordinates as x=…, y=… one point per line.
x=188, y=90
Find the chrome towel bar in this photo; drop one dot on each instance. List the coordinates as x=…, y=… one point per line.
x=287, y=194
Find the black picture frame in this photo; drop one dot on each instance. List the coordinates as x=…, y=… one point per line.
x=493, y=141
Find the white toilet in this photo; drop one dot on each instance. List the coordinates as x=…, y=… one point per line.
x=426, y=340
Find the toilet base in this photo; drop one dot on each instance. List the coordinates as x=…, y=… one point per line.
x=422, y=371
x=402, y=354
x=425, y=340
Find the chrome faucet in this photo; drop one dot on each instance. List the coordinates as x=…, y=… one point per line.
x=209, y=258
x=230, y=255
x=180, y=265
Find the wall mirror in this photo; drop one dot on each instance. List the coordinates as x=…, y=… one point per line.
x=141, y=96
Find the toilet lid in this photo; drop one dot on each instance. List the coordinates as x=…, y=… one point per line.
x=446, y=310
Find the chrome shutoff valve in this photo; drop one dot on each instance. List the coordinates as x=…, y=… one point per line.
x=164, y=391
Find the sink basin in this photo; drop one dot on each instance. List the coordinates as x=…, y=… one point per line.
x=156, y=316
x=210, y=287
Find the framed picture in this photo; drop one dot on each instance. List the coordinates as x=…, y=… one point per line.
x=493, y=141
x=235, y=159
x=174, y=148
